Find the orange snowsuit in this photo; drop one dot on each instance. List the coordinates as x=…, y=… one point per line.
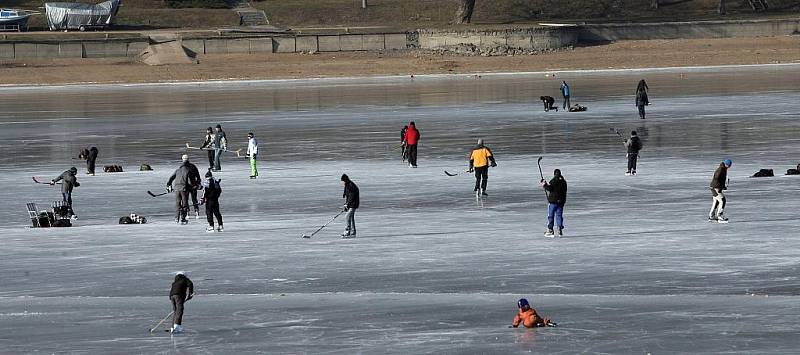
x=530, y=319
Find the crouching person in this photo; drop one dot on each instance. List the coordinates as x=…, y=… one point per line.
x=182, y=290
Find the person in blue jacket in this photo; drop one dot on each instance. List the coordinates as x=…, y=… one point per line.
x=565, y=93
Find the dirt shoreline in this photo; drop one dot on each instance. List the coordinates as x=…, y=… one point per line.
x=618, y=55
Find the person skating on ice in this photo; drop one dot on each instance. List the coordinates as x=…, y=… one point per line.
x=412, y=138
x=527, y=317
x=633, y=146
x=220, y=144
x=718, y=184
x=181, y=291
x=70, y=181
x=403, y=142
x=351, y=196
x=641, y=97
x=208, y=144
x=556, y=199
x=211, y=193
x=480, y=160
x=182, y=181
x=193, y=190
x=252, y=153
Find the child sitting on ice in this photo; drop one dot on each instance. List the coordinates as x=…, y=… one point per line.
x=528, y=317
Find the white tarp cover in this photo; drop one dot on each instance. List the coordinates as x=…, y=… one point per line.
x=71, y=16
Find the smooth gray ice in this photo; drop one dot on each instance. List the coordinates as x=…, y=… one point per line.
x=639, y=271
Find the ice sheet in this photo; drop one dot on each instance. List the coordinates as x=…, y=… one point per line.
x=432, y=270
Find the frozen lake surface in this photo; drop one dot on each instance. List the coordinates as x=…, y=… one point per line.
x=639, y=270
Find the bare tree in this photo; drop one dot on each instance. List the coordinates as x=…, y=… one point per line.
x=464, y=12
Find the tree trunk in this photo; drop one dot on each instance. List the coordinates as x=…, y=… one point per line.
x=721, y=9
x=464, y=12
x=654, y=4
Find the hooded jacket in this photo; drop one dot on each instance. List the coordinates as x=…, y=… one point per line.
x=557, y=190
x=70, y=181
x=351, y=194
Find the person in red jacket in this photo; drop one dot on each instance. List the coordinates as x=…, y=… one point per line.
x=528, y=317
x=411, y=140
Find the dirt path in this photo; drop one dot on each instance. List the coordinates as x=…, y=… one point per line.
x=626, y=54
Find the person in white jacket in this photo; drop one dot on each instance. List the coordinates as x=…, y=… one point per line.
x=252, y=152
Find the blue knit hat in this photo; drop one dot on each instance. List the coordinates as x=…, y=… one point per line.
x=727, y=162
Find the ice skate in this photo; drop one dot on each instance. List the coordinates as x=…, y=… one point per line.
x=184, y=222
x=176, y=329
x=483, y=193
x=210, y=229
x=549, y=234
x=722, y=219
x=196, y=214
x=220, y=229
x=627, y=173
x=349, y=236
x=560, y=231
x=345, y=234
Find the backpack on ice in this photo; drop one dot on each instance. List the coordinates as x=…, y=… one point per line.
x=764, y=173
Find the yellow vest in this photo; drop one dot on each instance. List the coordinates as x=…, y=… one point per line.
x=480, y=157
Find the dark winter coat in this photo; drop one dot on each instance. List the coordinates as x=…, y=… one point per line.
x=557, y=190
x=641, y=98
x=220, y=141
x=720, y=177
x=549, y=100
x=209, y=140
x=93, y=154
x=213, y=191
x=351, y=194
x=70, y=181
x=634, y=145
x=185, y=178
x=181, y=287
x=403, y=134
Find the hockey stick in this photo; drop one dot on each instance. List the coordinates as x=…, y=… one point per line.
x=237, y=152
x=456, y=173
x=539, y=163
x=323, y=226
x=617, y=132
x=156, y=195
x=162, y=321
x=43, y=183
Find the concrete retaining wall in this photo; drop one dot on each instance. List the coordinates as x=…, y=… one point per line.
x=527, y=38
x=545, y=37
x=700, y=29
x=10, y=49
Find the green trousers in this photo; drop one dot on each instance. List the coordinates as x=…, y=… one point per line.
x=253, y=168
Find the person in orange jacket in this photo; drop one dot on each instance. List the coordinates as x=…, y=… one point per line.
x=528, y=317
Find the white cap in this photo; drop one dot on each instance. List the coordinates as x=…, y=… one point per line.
x=185, y=157
x=180, y=273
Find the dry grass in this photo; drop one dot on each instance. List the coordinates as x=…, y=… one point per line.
x=409, y=14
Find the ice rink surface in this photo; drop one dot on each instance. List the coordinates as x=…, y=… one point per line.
x=433, y=270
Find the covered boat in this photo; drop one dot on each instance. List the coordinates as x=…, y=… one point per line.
x=75, y=16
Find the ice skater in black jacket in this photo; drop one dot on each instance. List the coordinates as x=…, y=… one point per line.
x=351, y=205
x=181, y=291
x=633, y=145
x=556, y=199
x=212, y=191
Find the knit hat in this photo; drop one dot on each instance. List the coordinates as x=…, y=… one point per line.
x=727, y=162
x=185, y=157
x=633, y=133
